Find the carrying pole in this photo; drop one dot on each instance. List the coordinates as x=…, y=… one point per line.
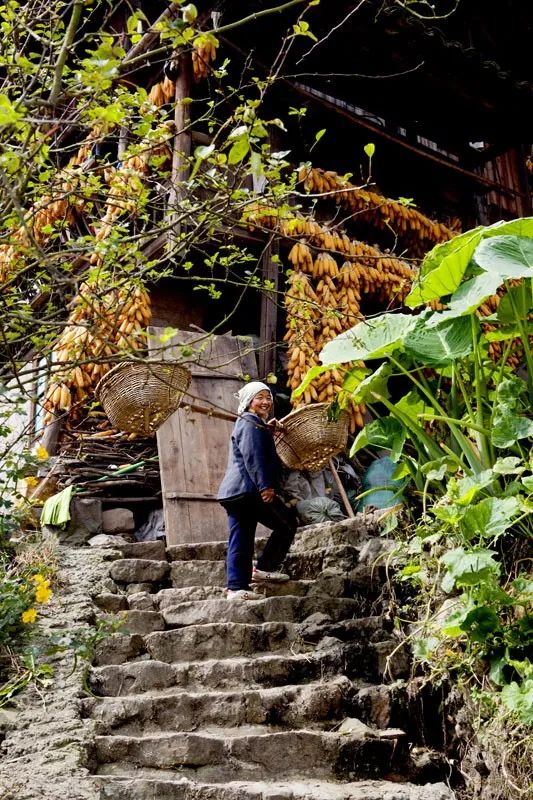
x=349, y=510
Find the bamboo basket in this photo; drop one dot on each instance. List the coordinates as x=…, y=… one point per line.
x=309, y=439
x=139, y=396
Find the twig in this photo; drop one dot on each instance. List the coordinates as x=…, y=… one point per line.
x=63, y=53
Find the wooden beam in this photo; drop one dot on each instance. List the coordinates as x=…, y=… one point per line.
x=269, y=314
x=181, y=146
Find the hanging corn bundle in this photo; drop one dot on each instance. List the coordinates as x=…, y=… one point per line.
x=100, y=327
x=204, y=52
x=421, y=232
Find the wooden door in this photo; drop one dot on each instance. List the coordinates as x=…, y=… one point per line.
x=193, y=447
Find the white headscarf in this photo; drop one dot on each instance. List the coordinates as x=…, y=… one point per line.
x=248, y=392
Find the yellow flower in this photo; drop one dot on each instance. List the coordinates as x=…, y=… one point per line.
x=38, y=578
x=43, y=593
x=29, y=616
x=31, y=481
x=41, y=453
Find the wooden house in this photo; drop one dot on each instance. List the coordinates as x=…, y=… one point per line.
x=425, y=93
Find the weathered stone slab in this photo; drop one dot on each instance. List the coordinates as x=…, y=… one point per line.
x=155, y=551
x=106, y=540
x=139, y=570
x=180, y=788
x=197, y=573
x=118, y=648
x=141, y=601
x=117, y=520
x=220, y=640
x=112, y=603
x=188, y=711
x=132, y=678
x=271, y=609
x=143, y=622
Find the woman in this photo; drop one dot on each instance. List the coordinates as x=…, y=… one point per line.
x=248, y=493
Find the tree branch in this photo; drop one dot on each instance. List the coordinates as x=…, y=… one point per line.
x=63, y=53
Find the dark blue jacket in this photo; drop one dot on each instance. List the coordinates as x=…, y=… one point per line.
x=253, y=463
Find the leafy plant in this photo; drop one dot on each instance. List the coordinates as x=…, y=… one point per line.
x=463, y=432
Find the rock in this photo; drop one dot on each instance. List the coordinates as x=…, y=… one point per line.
x=108, y=585
x=105, y=540
x=117, y=649
x=154, y=551
x=139, y=570
x=198, y=573
x=143, y=622
x=141, y=601
x=138, y=588
x=8, y=719
x=112, y=603
x=355, y=727
x=116, y=520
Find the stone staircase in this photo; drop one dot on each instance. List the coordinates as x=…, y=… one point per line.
x=296, y=695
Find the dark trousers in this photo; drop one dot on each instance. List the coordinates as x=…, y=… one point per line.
x=243, y=515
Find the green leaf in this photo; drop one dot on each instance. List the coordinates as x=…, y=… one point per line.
x=506, y=256
x=319, y=135
x=436, y=470
x=511, y=465
x=256, y=164
x=361, y=388
x=515, y=303
x=410, y=569
x=386, y=433
x=369, y=149
x=402, y=471
x=423, y=648
x=468, y=297
x=238, y=150
x=481, y=623
x=412, y=406
x=468, y=488
x=468, y=568
x=508, y=426
x=203, y=151
x=440, y=345
x=489, y=518
x=8, y=113
x=519, y=699
x=369, y=339
x=443, y=267
x=452, y=624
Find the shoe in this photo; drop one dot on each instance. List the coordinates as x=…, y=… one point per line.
x=241, y=594
x=260, y=576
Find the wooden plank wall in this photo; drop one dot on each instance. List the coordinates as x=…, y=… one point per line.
x=193, y=447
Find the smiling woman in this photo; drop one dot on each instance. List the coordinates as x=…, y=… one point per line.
x=248, y=493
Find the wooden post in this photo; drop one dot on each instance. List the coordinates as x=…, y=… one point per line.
x=269, y=314
x=340, y=487
x=181, y=146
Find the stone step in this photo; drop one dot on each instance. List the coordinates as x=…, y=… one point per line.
x=222, y=640
x=184, y=574
x=139, y=570
x=154, y=551
x=338, y=561
x=316, y=705
x=127, y=788
x=270, y=609
x=357, y=531
x=332, y=584
x=354, y=659
x=251, y=754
